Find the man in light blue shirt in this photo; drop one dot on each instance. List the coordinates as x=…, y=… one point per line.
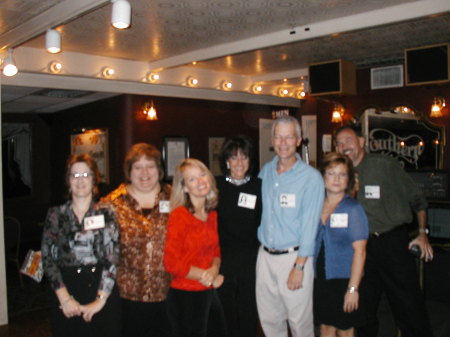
x=292, y=195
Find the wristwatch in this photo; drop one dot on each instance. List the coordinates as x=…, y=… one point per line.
x=424, y=230
x=352, y=290
x=299, y=266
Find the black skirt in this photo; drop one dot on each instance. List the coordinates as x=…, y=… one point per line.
x=82, y=283
x=329, y=300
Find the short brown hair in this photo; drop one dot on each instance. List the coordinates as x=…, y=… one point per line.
x=91, y=163
x=332, y=159
x=136, y=152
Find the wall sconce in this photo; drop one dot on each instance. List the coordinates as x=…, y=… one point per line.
x=55, y=67
x=9, y=66
x=337, y=114
x=121, y=14
x=256, y=88
x=191, y=81
x=226, y=85
x=153, y=77
x=107, y=72
x=53, y=41
x=150, y=111
x=436, y=108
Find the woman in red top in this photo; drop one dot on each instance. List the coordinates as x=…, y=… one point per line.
x=192, y=253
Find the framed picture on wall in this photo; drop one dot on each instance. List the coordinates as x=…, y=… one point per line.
x=215, y=147
x=95, y=143
x=175, y=149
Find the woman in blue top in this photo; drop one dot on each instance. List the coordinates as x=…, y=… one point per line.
x=340, y=251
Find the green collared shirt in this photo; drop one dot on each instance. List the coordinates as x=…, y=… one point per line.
x=388, y=194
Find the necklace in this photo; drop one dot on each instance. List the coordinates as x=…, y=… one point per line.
x=237, y=182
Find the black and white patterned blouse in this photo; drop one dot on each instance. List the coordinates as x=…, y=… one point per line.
x=66, y=244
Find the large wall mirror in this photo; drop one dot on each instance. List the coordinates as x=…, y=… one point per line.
x=16, y=159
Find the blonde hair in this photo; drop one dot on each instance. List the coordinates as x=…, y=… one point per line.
x=181, y=198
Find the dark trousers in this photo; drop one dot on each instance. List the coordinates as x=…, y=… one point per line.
x=145, y=319
x=188, y=312
x=82, y=283
x=391, y=269
x=237, y=294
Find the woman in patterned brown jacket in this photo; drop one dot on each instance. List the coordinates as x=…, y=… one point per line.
x=142, y=206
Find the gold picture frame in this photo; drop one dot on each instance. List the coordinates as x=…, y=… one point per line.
x=95, y=143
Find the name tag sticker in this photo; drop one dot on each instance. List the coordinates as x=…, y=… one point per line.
x=339, y=220
x=247, y=200
x=372, y=192
x=287, y=200
x=94, y=222
x=164, y=206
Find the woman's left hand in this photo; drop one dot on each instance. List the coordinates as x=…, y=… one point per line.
x=89, y=310
x=209, y=275
x=351, y=301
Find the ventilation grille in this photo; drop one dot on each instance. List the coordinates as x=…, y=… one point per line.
x=386, y=77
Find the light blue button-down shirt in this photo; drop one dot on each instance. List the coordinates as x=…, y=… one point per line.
x=296, y=222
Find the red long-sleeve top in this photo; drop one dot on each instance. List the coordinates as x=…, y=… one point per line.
x=189, y=242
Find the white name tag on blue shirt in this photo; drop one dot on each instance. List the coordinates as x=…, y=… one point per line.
x=372, y=192
x=164, y=206
x=247, y=200
x=339, y=220
x=94, y=222
x=287, y=200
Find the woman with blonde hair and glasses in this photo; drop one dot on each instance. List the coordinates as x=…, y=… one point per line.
x=192, y=253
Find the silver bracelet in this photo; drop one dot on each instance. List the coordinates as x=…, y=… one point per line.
x=352, y=290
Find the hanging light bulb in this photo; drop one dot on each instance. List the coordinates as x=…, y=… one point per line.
x=53, y=41
x=9, y=66
x=150, y=111
x=121, y=14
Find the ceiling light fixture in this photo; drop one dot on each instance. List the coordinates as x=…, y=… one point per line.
x=436, y=108
x=226, y=85
x=283, y=92
x=152, y=77
x=257, y=88
x=300, y=94
x=9, y=66
x=107, y=72
x=55, y=67
x=53, y=41
x=337, y=114
x=150, y=111
x=121, y=14
x=191, y=81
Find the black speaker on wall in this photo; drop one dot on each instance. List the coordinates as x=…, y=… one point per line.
x=332, y=78
x=427, y=65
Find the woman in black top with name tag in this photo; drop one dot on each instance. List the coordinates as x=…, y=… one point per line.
x=80, y=249
x=239, y=214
